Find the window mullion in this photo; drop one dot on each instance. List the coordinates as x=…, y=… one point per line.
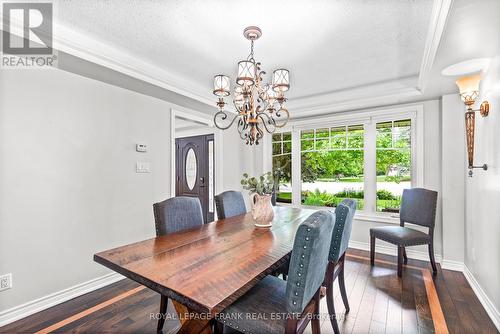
x=296, y=168
x=370, y=164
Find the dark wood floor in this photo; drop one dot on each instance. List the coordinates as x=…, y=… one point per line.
x=380, y=303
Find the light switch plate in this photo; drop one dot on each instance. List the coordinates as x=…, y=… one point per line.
x=142, y=167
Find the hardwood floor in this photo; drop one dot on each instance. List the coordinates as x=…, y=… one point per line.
x=380, y=303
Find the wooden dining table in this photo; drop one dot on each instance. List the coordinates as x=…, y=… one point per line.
x=205, y=269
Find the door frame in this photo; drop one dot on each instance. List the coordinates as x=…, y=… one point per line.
x=218, y=152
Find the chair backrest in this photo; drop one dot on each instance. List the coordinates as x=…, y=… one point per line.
x=309, y=260
x=229, y=204
x=344, y=214
x=418, y=207
x=177, y=214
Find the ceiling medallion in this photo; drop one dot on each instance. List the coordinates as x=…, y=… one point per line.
x=258, y=106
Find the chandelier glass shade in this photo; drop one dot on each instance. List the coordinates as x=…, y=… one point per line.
x=258, y=107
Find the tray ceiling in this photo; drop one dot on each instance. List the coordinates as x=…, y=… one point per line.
x=329, y=46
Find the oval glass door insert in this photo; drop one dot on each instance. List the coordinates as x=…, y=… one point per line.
x=191, y=169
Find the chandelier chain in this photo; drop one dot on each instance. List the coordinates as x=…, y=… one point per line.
x=251, y=50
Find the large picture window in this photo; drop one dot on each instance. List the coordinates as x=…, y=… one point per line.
x=332, y=165
x=371, y=160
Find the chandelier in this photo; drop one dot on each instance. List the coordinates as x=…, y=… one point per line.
x=258, y=106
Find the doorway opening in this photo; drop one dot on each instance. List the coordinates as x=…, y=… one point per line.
x=194, y=152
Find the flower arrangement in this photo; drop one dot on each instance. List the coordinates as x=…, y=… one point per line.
x=263, y=185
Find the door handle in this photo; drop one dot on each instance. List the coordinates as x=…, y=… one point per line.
x=202, y=180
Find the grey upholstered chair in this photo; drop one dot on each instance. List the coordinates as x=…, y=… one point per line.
x=174, y=215
x=294, y=300
x=418, y=207
x=229, y=204
x=177, y=214
x=344, y=214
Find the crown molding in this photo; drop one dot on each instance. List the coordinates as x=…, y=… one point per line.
x=355, y=98
x=439, y=16
x=98, y=52
x=79, y=45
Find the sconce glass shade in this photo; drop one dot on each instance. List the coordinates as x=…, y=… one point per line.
x=469, y=88
x=246, y=73
x=281, y=80
x=221, y=85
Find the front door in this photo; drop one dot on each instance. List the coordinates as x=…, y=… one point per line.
x=194, y=171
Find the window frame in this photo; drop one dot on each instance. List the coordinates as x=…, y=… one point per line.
x=368, y=119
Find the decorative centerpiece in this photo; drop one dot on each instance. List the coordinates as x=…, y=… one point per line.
x=261, y=190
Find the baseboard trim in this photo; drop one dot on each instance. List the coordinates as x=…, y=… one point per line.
x=452, y=265
x=488, y=305
x=392, y=250
x=21, y=311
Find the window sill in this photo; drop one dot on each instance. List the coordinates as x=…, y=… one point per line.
x=376, y=217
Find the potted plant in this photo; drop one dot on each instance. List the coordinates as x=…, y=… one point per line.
x=260, y=189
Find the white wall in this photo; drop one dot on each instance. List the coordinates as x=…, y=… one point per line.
x=482, y=223
x=454, y=171
x=238, y=158
x=68, y=186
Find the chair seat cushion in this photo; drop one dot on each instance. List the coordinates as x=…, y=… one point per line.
x=402, y=236
x=261, y=310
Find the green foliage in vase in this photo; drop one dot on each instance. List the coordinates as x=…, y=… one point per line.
x=261, y=185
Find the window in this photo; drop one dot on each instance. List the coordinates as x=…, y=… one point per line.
x=282, y=165
x=370, y=157
x=332, y=161
x=393, y=163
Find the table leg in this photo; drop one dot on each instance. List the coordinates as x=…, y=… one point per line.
x=188, y=326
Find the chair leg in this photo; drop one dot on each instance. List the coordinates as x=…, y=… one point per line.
x=315, y=323
x=405, y=258
x=330, y=302
x=343, y=292
x=163, y=311
x=218, y=327
x=372, y=251
x=400, y=261
x=433, y=261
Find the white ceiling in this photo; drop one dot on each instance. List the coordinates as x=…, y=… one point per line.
x=472, y=31
x=342, y=54
x=328, y=45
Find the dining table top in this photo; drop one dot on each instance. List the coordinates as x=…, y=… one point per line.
x=208, y=267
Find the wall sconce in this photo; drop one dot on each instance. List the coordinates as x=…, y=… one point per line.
x=469, y=91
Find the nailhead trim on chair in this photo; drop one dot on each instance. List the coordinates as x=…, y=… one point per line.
x=342, y=214
x=301, y=265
